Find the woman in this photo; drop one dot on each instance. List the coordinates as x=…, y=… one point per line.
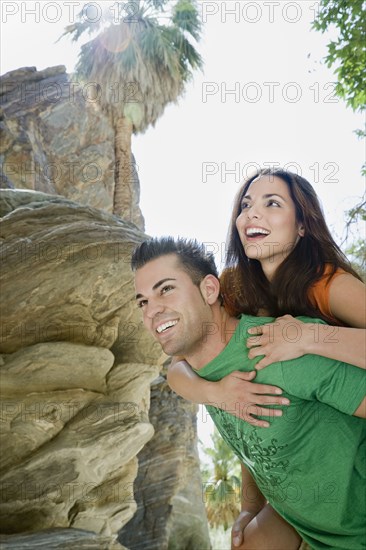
x=281, y=261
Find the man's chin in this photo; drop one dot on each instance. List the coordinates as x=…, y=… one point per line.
x=171, y=350
x=172, y=344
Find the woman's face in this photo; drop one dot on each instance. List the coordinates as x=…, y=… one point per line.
x=267, y=224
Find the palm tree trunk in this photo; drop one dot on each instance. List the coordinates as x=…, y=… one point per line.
x=123, y=181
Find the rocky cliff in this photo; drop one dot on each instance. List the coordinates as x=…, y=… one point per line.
x=93, y=441
x=75, y=375
x=55, y=138
x=74, y=416
x=168, y=488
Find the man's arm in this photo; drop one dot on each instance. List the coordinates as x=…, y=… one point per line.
x=361, y=410
x=259, y=526
x=252, y=502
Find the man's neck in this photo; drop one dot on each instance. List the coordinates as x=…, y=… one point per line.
x=218, y=334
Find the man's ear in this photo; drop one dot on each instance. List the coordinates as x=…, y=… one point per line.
x=210, y=289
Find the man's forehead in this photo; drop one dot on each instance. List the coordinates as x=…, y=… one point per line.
x=163, y=267
x=162, y=262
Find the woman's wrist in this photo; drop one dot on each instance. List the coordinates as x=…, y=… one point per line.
x=316, y=338
x=211, y=394
x=310, y=338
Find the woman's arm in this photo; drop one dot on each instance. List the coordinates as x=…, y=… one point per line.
x=288, y=338
x=234, y=393
x=347, y=300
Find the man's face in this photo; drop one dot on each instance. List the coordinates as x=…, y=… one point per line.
x=173, y=308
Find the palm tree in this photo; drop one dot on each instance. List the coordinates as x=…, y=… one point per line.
x=140, y=61
x=222, y=492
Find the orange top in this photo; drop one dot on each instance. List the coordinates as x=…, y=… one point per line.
x=319, y=291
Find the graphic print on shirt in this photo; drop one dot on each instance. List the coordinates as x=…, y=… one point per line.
x=263, y=458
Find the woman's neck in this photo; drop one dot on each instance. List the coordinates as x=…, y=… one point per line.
x=269, y=270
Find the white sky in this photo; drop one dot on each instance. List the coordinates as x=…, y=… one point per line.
x=284, y=111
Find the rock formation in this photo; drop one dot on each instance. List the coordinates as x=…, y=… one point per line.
x=76, y=365
x=55, y=138
x=73, y=416
x=168, y=488
x=58, y=539
x=75, y=375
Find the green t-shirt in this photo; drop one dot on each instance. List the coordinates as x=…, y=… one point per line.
x=310, y=463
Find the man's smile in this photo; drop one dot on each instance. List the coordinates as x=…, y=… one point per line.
x=163, y=327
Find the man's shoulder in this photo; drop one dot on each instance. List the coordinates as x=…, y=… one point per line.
x=310, y=320
x=250, y=320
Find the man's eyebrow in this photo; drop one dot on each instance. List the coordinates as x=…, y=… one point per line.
x=156, y=285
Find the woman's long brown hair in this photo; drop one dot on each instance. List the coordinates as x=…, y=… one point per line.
x=245, y=288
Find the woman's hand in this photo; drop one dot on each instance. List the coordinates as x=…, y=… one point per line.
x=286, y=338
x=238, y=395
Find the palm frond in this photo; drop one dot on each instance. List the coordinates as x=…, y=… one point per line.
x=87, y=24
x=155, y=59
x=186, y=18
x=159, y=4
x=222, y=499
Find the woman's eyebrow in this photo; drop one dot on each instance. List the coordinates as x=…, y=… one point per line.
x=266, y=196
x=269, y=195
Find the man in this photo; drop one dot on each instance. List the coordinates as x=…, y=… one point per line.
x=308, y=464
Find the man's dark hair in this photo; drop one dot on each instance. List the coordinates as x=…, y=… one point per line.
x=192, y=256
